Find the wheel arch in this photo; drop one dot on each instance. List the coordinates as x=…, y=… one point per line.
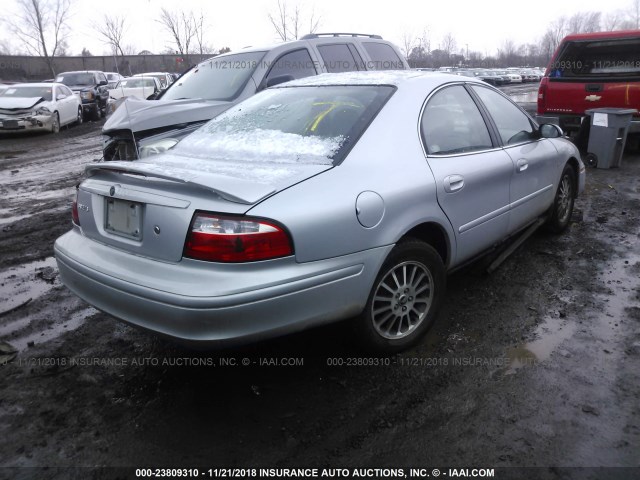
x=575, y=165
x=434, y=235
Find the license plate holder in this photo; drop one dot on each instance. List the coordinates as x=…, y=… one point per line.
x=10, y=124
x=123, y=218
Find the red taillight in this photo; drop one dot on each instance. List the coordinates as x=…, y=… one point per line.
x=218, y=238
x=74, y=210
x=542, y=95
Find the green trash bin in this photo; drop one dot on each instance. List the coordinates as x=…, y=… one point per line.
x=607, y=136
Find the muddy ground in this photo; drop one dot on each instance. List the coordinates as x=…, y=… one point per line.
x=536, y=365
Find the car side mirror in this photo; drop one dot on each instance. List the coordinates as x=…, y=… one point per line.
x=550, y=130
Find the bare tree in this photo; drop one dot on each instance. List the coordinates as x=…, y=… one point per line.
x=553, y=36
x=201, y=43
x=424, y=41
x=289, y=23
x=112, y=30
x=508, y=53
x=611, y=21
x=409, y=42
x=634, y=14
x=5, y=48
x=584, y=22
x=448, y=44
x=182, y=27
x=42, y=27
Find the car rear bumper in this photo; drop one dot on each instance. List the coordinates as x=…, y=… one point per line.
x=215, y=304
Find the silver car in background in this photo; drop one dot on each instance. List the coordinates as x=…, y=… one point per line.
x=144, y=127
x=326, y=198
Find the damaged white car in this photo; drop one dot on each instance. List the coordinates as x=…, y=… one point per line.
x=38, y=106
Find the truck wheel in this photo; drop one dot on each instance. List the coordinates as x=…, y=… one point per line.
x=96, y=114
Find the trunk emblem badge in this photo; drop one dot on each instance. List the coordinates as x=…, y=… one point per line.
x=112, y=191
x=156, y=230
x=592, y=98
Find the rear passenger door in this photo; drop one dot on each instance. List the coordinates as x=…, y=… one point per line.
x=472, y=175
x=382, y=56
x=340, y=57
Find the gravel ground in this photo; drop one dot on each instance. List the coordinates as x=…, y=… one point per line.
x=536, y=365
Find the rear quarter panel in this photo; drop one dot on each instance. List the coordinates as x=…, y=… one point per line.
x=388, y=159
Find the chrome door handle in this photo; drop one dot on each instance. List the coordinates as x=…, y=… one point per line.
x=453, y=183
x=522, y=165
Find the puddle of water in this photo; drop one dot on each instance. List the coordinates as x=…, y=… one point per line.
x=549, y=336
x=21, y=283
x=621, y=278
x=75, y=321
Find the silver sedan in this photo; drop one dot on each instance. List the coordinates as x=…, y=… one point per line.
x=344, y=196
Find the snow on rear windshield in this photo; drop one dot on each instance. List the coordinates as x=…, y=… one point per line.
x=311, y=125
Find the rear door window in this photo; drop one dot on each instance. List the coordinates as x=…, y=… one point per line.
x=383, y=57
x=598, y=59
x=339, y=58
x=452, y=123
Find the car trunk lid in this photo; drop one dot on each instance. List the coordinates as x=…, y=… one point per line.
x=146, y=208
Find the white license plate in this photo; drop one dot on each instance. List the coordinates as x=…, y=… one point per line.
x=123, y=218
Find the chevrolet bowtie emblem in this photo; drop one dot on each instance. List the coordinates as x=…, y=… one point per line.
x=592, y=98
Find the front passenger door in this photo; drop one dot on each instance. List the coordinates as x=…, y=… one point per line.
x=471, y=174
x=532, y=183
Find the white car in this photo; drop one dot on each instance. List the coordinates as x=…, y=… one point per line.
x=140, y=87
x=38, y=106
x=165, y=78
x=113, y=78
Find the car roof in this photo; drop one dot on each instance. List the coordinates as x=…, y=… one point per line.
x=603, y=35
x=80, y=71
x=375, y=77
x=36, y=84
x=324, y=38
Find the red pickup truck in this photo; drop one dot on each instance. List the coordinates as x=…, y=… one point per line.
x=591, y=70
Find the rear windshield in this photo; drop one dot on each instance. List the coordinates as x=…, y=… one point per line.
x=313, y=125
x=598, y=59
x=220, y=78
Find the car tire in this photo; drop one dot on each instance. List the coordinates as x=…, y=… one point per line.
x=55, y=123
x=79, y=117
x=562, y=209
x=404, y=299
x=96, y=114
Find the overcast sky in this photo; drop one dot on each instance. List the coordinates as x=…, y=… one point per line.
x=482, y=25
